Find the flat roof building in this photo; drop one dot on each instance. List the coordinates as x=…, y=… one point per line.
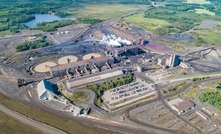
x=181, y=105
x=93, y=78
x=45, y=90
x=203, y=114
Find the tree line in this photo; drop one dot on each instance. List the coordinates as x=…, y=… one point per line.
x=52, y=26
x=32, y=45
x=213, y=98
x=14, y=12
x=181, y=16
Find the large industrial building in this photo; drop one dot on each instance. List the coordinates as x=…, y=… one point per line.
x=93, y=78
x=169, y=60
x=60, y=70
x=45, y=90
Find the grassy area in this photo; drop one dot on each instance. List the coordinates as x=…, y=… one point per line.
x=72, y=97
x=175, y=88
x=65, y=124
x=3, y=33
x=207, y=92
x=198, y=89
x=179, y=48
x=102, y=11
x=218, y=27
x=210, y=37
x=10, y=125
x=204, y=11
x=146, y=23
x=191, y=92
x=198, y=2
x=180, y=16
x=78, y=96
x=178, y=73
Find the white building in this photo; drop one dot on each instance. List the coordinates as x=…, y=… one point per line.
x=67, y=32
x=77, y=111
x=33, y=38
x=45, y=90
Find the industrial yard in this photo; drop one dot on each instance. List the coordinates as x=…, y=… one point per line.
x=120, y=77
x=85, y=62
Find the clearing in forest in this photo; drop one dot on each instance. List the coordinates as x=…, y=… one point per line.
x=146, y=23
x=103, y=11
x=198, y=2
x=204, y=11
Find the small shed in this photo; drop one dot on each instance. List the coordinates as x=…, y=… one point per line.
x=77, y=111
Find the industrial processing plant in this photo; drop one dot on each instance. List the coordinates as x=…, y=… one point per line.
x=85, y=66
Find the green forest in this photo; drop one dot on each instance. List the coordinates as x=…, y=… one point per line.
x=51, y=26
x=31, y=45
x=181, y=16
x=213, y=98
x=12, y=13
x=39, y=43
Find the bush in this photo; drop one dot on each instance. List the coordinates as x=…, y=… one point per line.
x=213, y=98
x=31, y=45
x=79, y=96
x=52, y=26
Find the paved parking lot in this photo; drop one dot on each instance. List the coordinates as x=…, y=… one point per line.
x=156, y=113
x=130, y=90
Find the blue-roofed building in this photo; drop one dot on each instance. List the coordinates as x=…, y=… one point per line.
x=45, y=90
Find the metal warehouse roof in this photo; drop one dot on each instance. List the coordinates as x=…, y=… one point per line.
x=185, y=104
x=43, y=86
x=93, y=78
